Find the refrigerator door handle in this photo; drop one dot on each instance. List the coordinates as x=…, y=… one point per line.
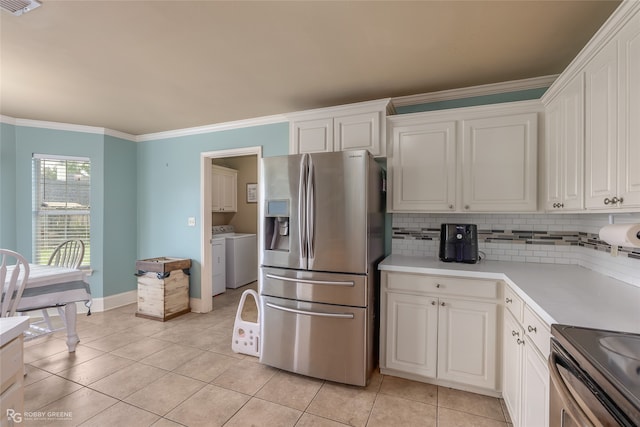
x=311, y=212
x=311, y=313
x=309, y=281
x=302, y=214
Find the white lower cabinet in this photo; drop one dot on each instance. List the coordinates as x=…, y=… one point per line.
x=428, y=334
x=525, y=376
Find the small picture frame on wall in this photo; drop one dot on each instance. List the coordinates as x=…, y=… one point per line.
x=252, y=193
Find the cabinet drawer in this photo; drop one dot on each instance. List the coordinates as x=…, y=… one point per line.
x=441, y=285
x=10, y=362
x=537, y=330
x=513, y=303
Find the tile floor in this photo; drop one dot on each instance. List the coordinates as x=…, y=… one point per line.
x=129, y=371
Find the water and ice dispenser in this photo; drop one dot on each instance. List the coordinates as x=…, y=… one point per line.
x=276, y=225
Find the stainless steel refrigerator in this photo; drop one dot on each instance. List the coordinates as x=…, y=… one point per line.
x=322, y=219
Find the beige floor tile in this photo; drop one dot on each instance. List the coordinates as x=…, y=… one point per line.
x=246, y=377
x=41, y=393
x=412, y=390
x=122, y=414
x=140, y=349
x=77, y=407
x=451, y=418
x=89, y=332
x=391, y=410
x=294, y=391
x=346, y=404
x=95, y=369
x=164, y=394
x=207, y=366
x=197, y=337
x=471, y=403
x=34, y=374
x=114, y=341
x=309, y=420
x=210, y=406
x=258, y=412
x=172, y=356
x=40, y=348
x=163, y=422
x=128, y=380
x=65, y=360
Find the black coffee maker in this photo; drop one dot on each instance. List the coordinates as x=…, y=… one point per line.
x=459, y=243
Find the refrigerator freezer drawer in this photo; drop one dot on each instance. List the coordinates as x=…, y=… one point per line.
x=328, y=288
x=317, y=340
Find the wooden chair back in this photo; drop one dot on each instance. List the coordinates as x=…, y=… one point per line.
x=68, y=254
x=13, y=280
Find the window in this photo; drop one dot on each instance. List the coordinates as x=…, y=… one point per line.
x=61, y=204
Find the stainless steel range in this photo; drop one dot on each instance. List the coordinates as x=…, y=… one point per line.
x=595, y=377
x=322, y=237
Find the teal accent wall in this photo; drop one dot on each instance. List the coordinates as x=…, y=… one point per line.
x=521, y=95
x=8, y=187
x=169, y=189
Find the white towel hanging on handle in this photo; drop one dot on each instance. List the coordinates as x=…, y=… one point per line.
x=246, y=335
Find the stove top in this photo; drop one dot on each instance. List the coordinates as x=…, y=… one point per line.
x=615, y=357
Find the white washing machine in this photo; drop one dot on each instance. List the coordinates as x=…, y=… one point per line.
x=241, y=256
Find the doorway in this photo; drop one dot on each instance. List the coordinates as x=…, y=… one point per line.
x=205, y=303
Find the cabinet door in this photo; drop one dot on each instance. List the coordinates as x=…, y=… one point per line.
x=312, y=136
x=629, y=131
x=467, y=342
x=424, y=167
x=358, y=132
x=573, y=145
x=216, y=196
x=601, y=128
x=535, y=388
x=553, y=155
x=512, y=341
x=229, y=192
x=499, y=163
x=411, y=335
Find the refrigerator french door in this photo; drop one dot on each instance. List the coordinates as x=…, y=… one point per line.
x=322, y=236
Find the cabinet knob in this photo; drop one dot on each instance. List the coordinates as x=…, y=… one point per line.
x=616, y=200
x=466, y=207
x=508, y=300
x=532, y=329
x=607, y=201
x=515, y=333
x=519, y=341
x=442, y=304
x=451, y=206
x=555, y=205
x=433, y=303
x=437, y=285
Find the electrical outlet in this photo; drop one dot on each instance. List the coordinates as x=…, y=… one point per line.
x=191, y=221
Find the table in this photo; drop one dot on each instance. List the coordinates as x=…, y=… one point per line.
x=51, y=286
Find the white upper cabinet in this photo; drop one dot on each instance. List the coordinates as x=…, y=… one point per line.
x=424, y=167
x=610, y=68
x=224, y=189
x=565, y=149
x=349, y=127
x=499, y=163
x=476, y=159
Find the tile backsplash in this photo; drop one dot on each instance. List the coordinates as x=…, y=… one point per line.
x=540, y=238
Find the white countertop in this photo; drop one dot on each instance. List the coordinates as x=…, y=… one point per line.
x=566, y=294
x=12, y=327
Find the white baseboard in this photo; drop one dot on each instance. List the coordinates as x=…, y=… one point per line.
x=196, y=305
x=112, y=301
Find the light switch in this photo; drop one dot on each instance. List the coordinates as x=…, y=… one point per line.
x=191, y=222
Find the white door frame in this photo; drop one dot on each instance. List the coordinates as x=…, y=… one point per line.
x=205, y=305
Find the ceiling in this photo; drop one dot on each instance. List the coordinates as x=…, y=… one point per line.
x=142, y=67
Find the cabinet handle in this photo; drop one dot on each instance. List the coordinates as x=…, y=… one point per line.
x=532, y=329
x=561, y=205
x=437, y=285
x=451, y=206
x=508, y=300
x=519, y=341
x=607, y=201
x=515, y=333
x=555, y=205
x=615, y=200
x=442, y=304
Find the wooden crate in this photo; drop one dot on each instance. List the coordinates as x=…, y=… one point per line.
x=161, y=296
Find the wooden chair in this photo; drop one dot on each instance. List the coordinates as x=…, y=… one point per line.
x=69, y=254
x=14, y=282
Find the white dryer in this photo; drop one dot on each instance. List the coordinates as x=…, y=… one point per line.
x=241, y=256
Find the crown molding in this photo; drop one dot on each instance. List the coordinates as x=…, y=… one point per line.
x=66, y=127
x=472, y=91
x=238, y=124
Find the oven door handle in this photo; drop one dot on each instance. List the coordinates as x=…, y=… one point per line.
x=309, y=281
x=570, y=406
x=312, y=313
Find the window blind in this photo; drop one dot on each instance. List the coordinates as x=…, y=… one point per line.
x=61, y=204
